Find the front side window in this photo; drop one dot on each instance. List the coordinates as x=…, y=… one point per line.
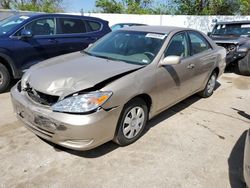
x=71, y=26
x=198, y=43
x=44, y=26
x=178, y=46
x=128, y=46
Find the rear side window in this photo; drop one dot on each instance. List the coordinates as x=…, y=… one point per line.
x=95, y=26
x=198, y=43
x=71, y=26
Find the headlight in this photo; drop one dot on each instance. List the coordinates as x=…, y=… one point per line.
x=231, y=48
x=83, y=102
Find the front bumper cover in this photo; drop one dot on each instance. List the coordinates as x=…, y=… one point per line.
x=78, y=132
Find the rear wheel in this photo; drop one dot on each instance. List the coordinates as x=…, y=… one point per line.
x=131, y=122
x=244, y=65
x=209, y=89
x=4, y=78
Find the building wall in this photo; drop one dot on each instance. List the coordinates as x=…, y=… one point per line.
x=202, y=23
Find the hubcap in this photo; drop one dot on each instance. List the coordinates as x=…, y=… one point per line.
x=211, y=84
x=1, y=78
x=133, y=122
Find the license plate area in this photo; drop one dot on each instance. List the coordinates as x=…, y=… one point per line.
x=34, y=120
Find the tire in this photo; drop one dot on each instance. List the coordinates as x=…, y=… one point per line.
x=209, y=89
x=244, y=65
x=4, y=78
x=132, y=122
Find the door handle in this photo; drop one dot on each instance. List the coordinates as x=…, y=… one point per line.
x=52, y=41
x=190, y=66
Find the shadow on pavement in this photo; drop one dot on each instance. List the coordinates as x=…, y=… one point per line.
x=235, y=163
x=110, y=146
x=242, y=113
x=232, y=68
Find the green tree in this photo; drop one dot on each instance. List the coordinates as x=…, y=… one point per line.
x=49, y=6
x=207, y=7
x=125, y=6
x=5, y=4
x=138, y=6
x=109, y=6
x=244, y=7
x=181, y=7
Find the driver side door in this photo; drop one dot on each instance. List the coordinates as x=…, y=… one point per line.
x=174, y=82
x=42, y=45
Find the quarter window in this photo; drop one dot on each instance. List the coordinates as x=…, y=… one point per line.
x=70, y=26
x=198, y=43
x=45, y=26
x=95, y=26
x=178, y=46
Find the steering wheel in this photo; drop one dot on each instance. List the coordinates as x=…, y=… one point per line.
x=150, y=55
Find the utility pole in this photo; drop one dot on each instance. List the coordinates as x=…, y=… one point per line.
x=81, y=11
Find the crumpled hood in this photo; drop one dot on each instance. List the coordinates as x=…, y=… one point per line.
x=73, y=72
x=229, y=39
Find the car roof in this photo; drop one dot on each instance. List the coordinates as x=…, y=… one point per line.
x=235, y=22
x=155, y=29
x=130, y=24
x=34, y=15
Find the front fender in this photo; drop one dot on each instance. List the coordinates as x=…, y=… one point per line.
x=243, y=48
x=10, y=63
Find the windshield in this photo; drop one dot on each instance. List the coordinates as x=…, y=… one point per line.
x=128, y=46
x=9, y=23
x=232, y=29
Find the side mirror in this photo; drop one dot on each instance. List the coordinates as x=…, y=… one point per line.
x=171, y=60
x=209, y=33
x=26, y=34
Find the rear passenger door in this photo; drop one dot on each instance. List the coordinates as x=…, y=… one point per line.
x=203, y=57
x=75, y=34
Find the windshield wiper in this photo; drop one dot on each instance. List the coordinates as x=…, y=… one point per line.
x=100, y=56
x=106, y=57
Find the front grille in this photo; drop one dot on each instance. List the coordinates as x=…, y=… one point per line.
x=42, y=98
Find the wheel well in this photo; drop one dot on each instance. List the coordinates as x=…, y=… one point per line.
x=216, y=70
x=6, y=64
x=146, y=98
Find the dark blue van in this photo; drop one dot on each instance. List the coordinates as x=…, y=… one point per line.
x=28, y=39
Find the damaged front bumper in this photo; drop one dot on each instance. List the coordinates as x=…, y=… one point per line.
x=78, y=132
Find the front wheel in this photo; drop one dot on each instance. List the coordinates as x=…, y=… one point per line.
x=131, y=122
x=4, y=78
x=209, y=89
x=244, y=65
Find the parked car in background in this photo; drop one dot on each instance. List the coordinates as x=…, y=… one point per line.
x=110, y=90
x=28, y=39
x=122, y=25
x=235, y=37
